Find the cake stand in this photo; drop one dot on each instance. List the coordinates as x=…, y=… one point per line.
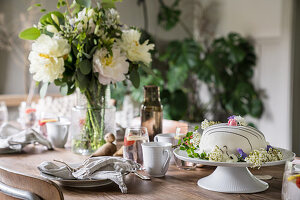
x=232, y=177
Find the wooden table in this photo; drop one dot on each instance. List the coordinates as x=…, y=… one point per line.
x=177, y=184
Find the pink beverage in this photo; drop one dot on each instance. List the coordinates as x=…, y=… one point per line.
x=133, y=148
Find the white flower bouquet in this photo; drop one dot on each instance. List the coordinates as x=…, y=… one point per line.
x=87, y=48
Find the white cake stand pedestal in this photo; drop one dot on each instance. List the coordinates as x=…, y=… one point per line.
x=233, y=180
x=232, y=177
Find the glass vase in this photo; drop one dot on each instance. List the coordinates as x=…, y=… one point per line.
x=91, y=120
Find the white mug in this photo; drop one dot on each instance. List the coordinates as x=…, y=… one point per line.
x=58, y=132
x=166, y=137
x=156, y=157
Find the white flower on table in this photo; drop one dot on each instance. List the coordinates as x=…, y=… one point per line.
x=47, y=58
x=135, y=51
x=110, y=68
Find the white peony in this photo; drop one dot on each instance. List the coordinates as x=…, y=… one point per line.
x=111, y=69
x=84, y=20
x=46, y=58
x=135, y=51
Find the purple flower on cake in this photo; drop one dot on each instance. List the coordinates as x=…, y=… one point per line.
x=242, y=153
x=231, y=117
x=232, y=122
x=269, y=147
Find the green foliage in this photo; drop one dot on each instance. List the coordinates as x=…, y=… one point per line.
x=30, y=34
x=182, y=57
x=186, y=145
x=175, y=103
x=109, y=3
x=63, y=89
x=47, y=19
x=85, y=67
x=134, y=77
x=84, y=3
x=228, y=66
x=168, y=16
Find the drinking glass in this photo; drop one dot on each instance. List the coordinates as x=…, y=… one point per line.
x=181, y=131
x=3, y=113
x=134, y=137
x=291, y=181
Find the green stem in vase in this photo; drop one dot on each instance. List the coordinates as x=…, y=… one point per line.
x=95, y=117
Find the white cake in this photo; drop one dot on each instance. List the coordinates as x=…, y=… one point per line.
x=232, y=137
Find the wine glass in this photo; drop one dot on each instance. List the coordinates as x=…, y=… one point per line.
x=3, y=113
x=180, y=133
x=291, y=181
x=134, y=137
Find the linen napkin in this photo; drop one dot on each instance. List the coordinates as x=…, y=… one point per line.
x=13, y=139
x=97, y=168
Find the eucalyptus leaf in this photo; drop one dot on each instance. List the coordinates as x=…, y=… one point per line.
x=84, y=3
x=85, y=67
x=82, y=80
x=43, y=90
x=134, y=77
x=106, y=4
x=57, y=82
x=30, y=34
x=64, y=89
x=87, y=55
x=47, y=19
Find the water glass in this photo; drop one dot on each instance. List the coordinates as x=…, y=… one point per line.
x=3, y=113
x=181, y=131
x=134, y=137
x=291, y=181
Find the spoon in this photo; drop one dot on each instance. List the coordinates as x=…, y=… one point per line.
x=141, y=176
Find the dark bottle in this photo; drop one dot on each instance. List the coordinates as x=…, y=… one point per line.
x=152, y=111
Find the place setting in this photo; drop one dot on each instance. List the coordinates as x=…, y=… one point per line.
x=149, y=100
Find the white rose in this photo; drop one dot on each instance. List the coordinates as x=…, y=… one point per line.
x=135, y=51
x=46, y=58
x=111, y=69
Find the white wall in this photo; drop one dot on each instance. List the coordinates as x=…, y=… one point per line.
x=269, y=22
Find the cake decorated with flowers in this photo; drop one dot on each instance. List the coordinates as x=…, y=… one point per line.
x=234, y=141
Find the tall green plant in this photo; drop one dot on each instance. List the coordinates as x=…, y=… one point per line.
x=226, y=66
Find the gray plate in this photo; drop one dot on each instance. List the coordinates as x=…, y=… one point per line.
x=77, y=183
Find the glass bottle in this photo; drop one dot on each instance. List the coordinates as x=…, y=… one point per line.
x=152, y=111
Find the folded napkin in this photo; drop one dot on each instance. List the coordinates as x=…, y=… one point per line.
x=13, y=139
x=97, y=168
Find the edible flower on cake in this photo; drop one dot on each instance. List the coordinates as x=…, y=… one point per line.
x=233, y=141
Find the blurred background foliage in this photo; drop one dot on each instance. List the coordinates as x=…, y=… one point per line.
x=224, y=65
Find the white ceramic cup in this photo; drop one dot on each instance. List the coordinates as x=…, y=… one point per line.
x=166, y=137
x=58, y=132
x=156, y=156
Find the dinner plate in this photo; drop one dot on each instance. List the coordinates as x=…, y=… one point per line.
x=77, y=182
